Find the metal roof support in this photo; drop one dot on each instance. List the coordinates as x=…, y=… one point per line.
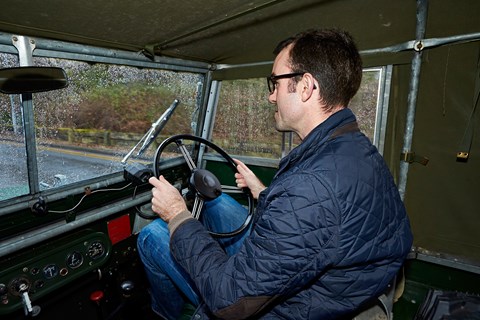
x=68, y=50
x=421, y=22
x=422, y=8
x=25, y=47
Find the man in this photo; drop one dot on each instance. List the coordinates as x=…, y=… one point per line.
x=330, y=232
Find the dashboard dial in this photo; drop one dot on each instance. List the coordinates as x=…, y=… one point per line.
x=50, y=271
x=96, y=250
x=19, y=285
x=74, y=260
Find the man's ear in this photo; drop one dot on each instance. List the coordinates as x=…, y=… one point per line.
x=308, y=86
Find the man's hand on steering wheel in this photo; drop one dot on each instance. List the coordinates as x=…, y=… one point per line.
x=245, y=178
x=167, y=202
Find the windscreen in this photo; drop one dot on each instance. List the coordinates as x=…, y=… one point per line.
x=85, y=130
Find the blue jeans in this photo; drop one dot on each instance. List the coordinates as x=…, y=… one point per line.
x=171, y=287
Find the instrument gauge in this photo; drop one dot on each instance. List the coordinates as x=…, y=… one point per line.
x=50, y=271
x=74, y=260
x=19, y=285
x=96, y=250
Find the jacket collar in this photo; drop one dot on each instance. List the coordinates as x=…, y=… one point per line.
x=317, y=137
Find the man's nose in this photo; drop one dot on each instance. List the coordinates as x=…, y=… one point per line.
x=272, y=97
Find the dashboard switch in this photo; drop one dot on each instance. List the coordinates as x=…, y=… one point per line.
x=97, y=296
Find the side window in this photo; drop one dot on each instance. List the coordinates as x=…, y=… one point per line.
x=245, y=124
x=370, y=104
x=85, y=130
x=244, y=121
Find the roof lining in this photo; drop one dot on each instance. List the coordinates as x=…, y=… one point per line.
x=236, y=16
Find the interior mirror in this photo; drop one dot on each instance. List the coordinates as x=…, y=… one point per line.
x=32, y=79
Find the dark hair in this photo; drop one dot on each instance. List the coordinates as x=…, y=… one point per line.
x=331, y=56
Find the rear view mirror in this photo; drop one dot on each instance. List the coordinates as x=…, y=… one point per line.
x=32, y=79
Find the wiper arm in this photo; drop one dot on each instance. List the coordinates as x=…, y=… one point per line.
x=153, y=132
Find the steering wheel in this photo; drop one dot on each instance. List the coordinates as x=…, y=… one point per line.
x=204, y=184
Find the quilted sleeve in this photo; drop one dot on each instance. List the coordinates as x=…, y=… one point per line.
x=292, y=243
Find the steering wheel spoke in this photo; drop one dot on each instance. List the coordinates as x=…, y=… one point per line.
x=231, y=189
x=186, y=154
x=197, y=207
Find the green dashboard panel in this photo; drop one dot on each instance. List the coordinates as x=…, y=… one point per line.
x=40, y=270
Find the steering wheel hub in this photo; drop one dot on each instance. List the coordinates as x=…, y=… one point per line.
x=206, y=184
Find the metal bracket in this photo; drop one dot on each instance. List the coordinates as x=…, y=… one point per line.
x=462, y=156
x=418, y=45
x=25, y=47
x=411, y=157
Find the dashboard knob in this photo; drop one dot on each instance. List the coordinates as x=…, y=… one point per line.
x=127, y=287
x=97, y=296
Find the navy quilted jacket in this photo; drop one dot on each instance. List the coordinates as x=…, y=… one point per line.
x=330, y=233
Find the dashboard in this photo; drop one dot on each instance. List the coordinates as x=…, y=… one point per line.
x=41, y=270
x=85, y=267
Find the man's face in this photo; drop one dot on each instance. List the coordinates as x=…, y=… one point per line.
x=285, y=97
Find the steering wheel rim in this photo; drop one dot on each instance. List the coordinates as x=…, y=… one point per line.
x=198, y=194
